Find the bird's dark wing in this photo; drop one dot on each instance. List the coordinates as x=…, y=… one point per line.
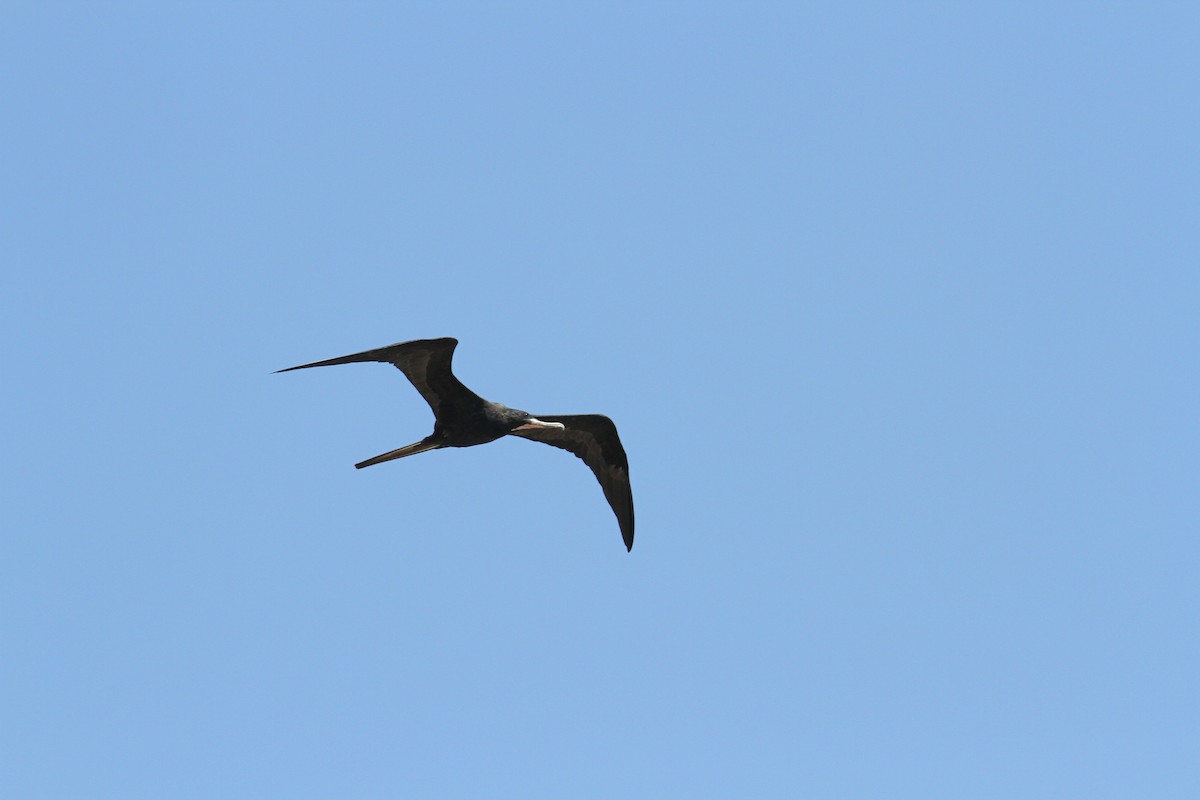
x=593, y=437
x=426, y=363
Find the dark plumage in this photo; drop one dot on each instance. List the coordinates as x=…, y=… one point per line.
x=463, y=418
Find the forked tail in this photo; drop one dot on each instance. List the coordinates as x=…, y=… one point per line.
x=408, y=450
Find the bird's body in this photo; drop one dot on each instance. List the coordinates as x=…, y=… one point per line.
x=464, y=419
x=483, y=424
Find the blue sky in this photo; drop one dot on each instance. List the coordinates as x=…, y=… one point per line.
x=895, y=306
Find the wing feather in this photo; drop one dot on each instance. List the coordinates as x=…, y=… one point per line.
x=426, y=364
x=593, y=438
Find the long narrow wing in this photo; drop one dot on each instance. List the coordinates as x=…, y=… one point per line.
x=593, y=437
x=426, y=363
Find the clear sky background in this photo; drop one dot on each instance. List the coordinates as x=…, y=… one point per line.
x=895, y=306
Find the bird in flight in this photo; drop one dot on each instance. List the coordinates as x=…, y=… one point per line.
x=463, y=419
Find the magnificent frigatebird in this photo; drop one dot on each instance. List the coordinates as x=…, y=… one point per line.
x=463, y=418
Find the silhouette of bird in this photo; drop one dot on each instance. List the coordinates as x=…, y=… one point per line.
x=464, y=419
